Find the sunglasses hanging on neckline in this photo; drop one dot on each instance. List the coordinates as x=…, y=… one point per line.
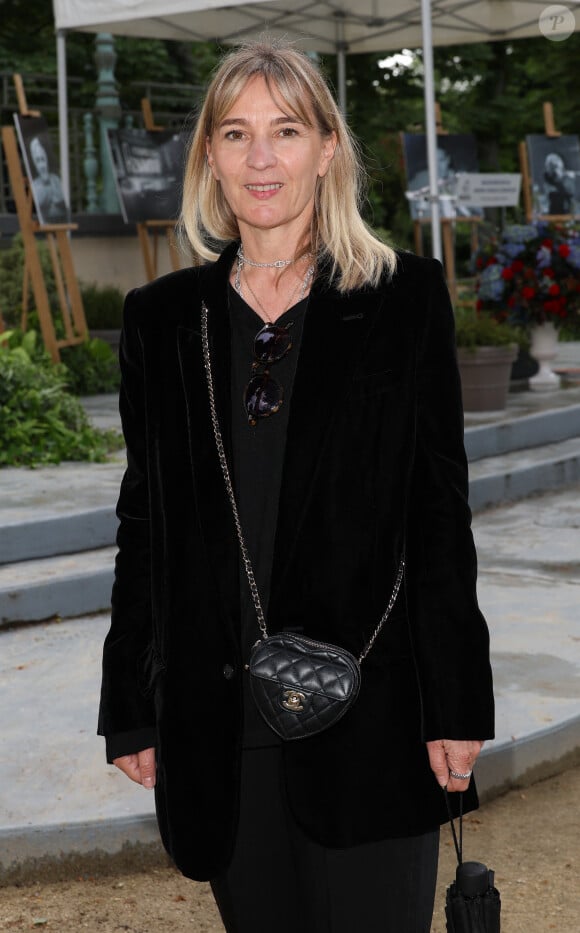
x=263, y=395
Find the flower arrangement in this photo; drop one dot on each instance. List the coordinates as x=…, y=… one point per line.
x=530, y=274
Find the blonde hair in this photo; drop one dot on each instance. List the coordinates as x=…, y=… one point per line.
x=338, y=235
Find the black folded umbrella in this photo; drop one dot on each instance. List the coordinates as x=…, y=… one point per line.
x=472, y=903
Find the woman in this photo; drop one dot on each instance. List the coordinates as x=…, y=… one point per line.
x=345, y=451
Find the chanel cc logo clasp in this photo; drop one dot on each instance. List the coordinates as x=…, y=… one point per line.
x=293, y=701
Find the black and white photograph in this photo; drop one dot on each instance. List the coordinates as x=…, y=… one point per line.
x=456, y=152
x=41, y=167
x=148, y=166
x=555, y=174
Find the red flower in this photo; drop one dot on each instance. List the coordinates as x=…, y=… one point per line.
x=479, y=262
x=554, y=289
x=511, y=301
x=507, y=273
x=478, y=304
x=564, y=250
x=549, y=272
x=517, y=265
x=492, y=261
x=528, y=292
x=547, y=244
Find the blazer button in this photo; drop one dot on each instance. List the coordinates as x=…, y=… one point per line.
x=228, y=671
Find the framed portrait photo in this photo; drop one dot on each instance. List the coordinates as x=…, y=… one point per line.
x=555, y=175
x=42, y=170
x=148, y=167
x=456, y=152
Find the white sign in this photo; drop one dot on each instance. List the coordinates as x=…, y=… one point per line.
x=489, y=189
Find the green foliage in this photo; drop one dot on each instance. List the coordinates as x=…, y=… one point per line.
x=481, y=330
x=11, y=277
x=103, y=306
x=91, y=368
x=40, y=422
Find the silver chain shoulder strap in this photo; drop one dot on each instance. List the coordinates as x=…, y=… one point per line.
x=231, y=495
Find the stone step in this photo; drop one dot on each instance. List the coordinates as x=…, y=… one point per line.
x=58, y=509
x=522, y=473
x=64, y=586
x=521, y=431
x=76, y=584
x=57, y=534
x=48, y=514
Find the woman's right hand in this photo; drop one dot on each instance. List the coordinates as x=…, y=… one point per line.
x=140, y=767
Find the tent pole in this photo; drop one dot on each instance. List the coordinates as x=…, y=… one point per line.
x=341, y=50
x=63, y=113
x=430, y=127
x=341, y=77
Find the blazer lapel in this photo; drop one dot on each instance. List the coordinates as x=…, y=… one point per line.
x=336, y=328
x=214, y=509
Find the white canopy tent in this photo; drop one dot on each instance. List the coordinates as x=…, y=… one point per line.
x=333, y=26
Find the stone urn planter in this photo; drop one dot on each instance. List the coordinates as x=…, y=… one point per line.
x=485, y=376
x=544, y=349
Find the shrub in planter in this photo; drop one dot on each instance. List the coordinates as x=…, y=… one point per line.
x=483, y=330
x=103, y=306
x=40, y=421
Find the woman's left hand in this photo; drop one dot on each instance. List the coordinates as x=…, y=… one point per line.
x=450, y=757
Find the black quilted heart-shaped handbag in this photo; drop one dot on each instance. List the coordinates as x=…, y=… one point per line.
x=299, y=685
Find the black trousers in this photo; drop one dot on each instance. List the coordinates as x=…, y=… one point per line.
x=279, y=881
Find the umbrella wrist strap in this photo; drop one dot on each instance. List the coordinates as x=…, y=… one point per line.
x=458, y=843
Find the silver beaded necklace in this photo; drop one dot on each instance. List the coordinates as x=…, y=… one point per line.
x=277, y=264
x=238, y=286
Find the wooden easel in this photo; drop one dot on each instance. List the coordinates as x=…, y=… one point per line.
x=150, y=230
x=70, y=300
x=447, y=228
x=551, y=132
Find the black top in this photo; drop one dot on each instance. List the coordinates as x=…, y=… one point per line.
x=258, y=457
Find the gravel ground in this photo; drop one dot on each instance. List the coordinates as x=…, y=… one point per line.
x=530, y=837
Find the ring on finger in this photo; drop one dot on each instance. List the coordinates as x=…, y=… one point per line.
x=460, y=777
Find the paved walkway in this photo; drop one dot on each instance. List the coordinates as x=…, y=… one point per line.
x=56, y=793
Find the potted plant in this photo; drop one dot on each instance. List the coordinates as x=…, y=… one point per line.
x=529, y=276
x=486, y=350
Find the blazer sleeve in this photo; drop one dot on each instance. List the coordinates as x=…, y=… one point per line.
x=449, y=634
x=126, y=713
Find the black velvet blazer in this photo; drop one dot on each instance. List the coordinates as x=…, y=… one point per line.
x=374, y=465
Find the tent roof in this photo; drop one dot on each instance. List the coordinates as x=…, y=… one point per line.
x=364, y=26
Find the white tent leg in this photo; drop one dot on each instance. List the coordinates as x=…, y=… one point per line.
x=430, y=127
x=63, y=113
x=341, y=78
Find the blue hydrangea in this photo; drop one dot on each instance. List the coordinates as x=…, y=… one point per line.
x=519, y=233
x=573, y=258
x=511, y=250
x=543, y=257
x=491, y=284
